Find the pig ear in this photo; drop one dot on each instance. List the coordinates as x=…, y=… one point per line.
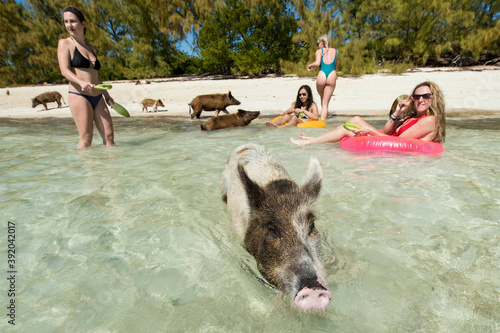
x=254, y=192
x=312, y=182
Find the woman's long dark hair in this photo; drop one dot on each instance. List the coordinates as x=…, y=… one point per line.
x=309, y=100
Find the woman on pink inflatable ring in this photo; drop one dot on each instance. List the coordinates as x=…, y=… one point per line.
x=425, y=120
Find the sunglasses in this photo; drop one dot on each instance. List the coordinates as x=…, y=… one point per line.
x=302, y=94
x=424, y=96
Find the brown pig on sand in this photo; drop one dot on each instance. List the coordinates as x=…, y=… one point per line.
x=241, y=118
x=155, y=103
x=212, y=102
x=48, y=97
x=275, y=219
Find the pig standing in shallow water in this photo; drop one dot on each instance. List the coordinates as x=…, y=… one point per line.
x=213, y=102
x=274, y=217
x=241, y=118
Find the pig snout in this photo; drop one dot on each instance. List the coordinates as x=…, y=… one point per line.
x=316, y=297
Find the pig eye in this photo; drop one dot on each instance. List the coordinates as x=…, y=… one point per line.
x=272, y=230
x=310, y=219
x=312, y=228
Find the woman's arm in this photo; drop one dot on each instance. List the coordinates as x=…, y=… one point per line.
x=317, y=62
x=336, y=58
x=423, y=129
x=105, y=93
x=393, y=122
x=313, y=113
x=290, y=110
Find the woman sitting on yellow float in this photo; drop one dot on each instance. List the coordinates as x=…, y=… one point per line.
x=302, y=113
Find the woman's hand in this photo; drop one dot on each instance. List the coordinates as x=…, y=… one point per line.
x=364, y=131
x=87, y=86
x=110, y=101
x=402, y=107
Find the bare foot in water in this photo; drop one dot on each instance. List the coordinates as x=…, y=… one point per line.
x=270, y=124
x=304, y=137
x=299, y=142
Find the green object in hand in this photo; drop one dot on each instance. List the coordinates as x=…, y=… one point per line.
x=103, y=86
x=351, y=126
x=301, y=115
x=121, y=110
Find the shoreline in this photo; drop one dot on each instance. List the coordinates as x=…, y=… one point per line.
x=468, y=93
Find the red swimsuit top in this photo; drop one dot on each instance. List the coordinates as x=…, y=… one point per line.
x=406, y=125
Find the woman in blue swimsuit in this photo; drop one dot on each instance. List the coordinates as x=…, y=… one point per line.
x=79, y=64
x=326, y=60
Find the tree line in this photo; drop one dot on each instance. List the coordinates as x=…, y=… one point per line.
x=138, y=39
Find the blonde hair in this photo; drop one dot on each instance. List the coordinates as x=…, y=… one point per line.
x=436, y=109
x=324, y=38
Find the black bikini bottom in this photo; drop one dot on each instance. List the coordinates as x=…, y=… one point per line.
x=93, y=100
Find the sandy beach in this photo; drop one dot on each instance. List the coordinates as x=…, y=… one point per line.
x=468, y=93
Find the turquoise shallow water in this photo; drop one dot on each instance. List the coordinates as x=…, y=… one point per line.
x=136, y=238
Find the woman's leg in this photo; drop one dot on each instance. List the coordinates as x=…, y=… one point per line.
x=328, y=90
x=83, y=115
x=104, y=123
x=333, y=136
x=293, y=121
x=280, y=122
x=320, y=87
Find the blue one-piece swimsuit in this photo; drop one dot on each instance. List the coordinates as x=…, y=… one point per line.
x=327, y=68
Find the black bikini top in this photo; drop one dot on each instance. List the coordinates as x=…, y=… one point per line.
x=79, y=61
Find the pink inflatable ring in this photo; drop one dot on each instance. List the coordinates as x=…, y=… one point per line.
x=391, y=144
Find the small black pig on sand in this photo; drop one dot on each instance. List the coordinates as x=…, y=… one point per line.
x=213, y=102
x=274, y=217
x=242, y=118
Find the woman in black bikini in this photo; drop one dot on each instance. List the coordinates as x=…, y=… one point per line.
x=79, y=64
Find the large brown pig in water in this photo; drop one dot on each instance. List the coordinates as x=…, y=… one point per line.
x=275, y=219
x=241, y=118
x=213, y=102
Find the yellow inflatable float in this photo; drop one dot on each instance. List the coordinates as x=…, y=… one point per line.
x=312, y=123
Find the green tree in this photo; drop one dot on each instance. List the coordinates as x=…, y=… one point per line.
x=248, y=37
x=13, y=56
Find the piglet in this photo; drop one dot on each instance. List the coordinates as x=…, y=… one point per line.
x=212, y=102
x=275, y=219
x=148, y=102
x=242, y=118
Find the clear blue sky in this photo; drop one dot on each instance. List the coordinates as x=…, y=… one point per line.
x=187, y=46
